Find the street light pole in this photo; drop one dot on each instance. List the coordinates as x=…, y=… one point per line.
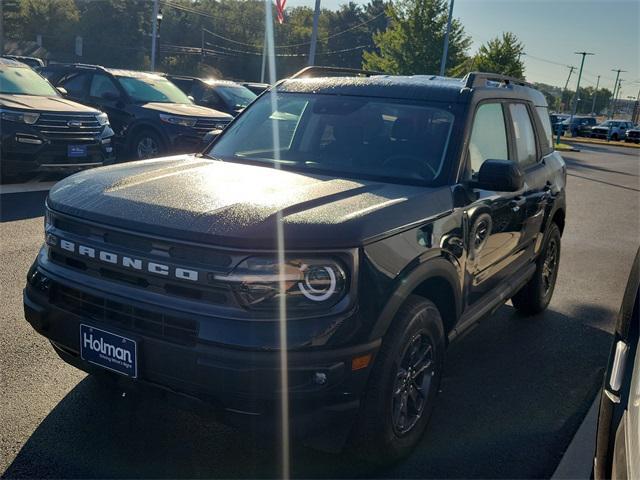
x=595, y=95
x=445, y=50
x=314, y=34
x=615, y=85
x=154, y=33
x=576, y=98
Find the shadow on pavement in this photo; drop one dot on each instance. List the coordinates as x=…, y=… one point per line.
x=581, y=165
x=514, y=393
x=20, y=206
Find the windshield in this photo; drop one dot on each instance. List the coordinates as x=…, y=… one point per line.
x=355, y=136
x=153, y=89
x=24, y=81
x=237, y=96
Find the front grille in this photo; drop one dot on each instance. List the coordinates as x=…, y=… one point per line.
x=208, y=261
x=74, y=126
x=205, y=125
x=128, y=317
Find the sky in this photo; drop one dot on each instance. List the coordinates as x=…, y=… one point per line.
x=551, y=31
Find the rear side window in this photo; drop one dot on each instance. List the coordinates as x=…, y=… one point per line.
x=546, y=136
x=488, y=136
x=524, y=136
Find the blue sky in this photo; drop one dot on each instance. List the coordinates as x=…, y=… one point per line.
x=552, y=30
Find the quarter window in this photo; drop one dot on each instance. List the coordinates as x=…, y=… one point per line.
x=488, y=136
x=543, y=114
x=525, y=139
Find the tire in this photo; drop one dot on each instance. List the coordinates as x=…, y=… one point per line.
x=146, y=144
x=379, y=436
x=614, y=137
x=536, y=294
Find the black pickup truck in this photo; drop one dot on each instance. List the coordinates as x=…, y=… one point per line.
x=325, y=249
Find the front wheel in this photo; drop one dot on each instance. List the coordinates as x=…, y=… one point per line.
x=147, y=144
x=403, y=385
x=536, y=294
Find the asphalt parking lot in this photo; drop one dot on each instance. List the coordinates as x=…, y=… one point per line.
x=515, y=390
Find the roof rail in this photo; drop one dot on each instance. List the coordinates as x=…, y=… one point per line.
x=318, y=71
x=474, y=79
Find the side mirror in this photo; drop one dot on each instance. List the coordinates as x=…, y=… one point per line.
x=62, y=90
x=500, y=176
x=110, y=96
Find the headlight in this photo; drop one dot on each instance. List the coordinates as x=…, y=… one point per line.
x=310, y=283
x=184, y=121
x=22, y=117
x=102, y=119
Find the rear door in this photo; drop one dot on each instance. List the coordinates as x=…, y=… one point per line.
x=533, y=201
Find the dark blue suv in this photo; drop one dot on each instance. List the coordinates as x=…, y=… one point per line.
x=150, y=115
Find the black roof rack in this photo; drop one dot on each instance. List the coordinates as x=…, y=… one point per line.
x=317, y=71
x=474, y=79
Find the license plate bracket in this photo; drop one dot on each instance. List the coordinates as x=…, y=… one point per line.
x=76, y=151
x=109, y=350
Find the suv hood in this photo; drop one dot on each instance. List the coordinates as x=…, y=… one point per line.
x=43, y=104
x=236, y=205
x=187, y=110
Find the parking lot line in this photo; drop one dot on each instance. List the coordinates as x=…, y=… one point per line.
x=26, y=187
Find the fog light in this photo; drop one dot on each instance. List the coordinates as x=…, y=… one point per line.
x=29, y=140
x=320, y=378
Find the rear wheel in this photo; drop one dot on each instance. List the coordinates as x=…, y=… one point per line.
x=403, y=384
x=536, y=294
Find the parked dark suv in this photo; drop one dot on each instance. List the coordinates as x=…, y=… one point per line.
x=223, y=95
x=326, y=248
x=41, y=130
x=150, y=115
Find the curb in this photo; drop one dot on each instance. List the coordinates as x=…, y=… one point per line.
x=602, y=142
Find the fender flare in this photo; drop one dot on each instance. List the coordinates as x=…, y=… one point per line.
x=408, y=281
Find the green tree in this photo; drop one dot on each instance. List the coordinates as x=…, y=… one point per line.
x=54, y=20
x=499, y=55
x=413, y=41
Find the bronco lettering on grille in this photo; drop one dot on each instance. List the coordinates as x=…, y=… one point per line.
x=128, y=262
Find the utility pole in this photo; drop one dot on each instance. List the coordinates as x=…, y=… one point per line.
x=154, y=33
x=201, y=44
x=314, y=34
x=615, y=85
x=615, y=97
x=576, y=97
x=566, y=84
x=445, y=50
x=595, y=95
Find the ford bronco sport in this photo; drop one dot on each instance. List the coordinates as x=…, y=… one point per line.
x=409, y=208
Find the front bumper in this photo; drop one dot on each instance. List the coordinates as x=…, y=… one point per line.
x=241, y=385
x=51, y=154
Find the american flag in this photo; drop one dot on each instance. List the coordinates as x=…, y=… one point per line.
x=280, y=10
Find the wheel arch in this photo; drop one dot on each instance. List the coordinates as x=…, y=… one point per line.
x=437, y=280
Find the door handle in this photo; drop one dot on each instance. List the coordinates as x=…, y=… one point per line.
x=516, y=203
